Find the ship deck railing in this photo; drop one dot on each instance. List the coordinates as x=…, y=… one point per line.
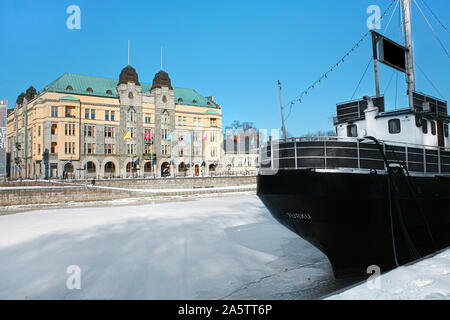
x=352, y=153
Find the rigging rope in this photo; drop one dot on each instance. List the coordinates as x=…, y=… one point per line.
x=429, y=25
x=432, y=84
x=370, y=60
x=443, y=26
x=298, y=99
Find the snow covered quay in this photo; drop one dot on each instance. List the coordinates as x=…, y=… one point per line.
x=211, y=248
x=427, y=279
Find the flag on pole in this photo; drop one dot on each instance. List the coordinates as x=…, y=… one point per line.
x=127, y=135
x=148, y=136
x=205, y=137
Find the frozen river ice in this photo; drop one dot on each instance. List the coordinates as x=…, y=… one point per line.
x=215, y=248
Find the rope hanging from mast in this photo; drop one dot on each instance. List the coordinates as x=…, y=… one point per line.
x=299, y=98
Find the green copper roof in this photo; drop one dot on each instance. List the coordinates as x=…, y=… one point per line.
x=106, y=87
x=212, y=112
x=69, y=98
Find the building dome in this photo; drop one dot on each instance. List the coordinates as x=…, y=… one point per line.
x=20, y=98
x=30, y=93
x=161, y=80
x=129, y=74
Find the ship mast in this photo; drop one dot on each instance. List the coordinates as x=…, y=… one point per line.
x=406, y=5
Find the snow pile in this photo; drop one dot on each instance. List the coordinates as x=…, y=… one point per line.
x=427, y=279
x=212, y=248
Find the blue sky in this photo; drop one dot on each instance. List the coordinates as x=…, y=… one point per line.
x=233, y=50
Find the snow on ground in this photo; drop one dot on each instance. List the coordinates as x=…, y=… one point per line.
x=216, y=248
x=427, y=279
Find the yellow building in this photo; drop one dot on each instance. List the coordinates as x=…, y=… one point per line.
x=83, y=126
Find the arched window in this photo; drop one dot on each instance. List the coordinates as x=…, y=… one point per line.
x=180, y=100
x=110, y=167
x=69, y=87
x=148, y=166
x=90, y=166
x=165, y=117
x=89, y=89
x=131, y=115
x=108, y=92
x=164, y=99
x=194, y=101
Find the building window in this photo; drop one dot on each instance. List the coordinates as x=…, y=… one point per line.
x=446, y=130
x=180, y=100
x=89, y=90
x=131, y=148
x=165, y=118
x=106, y=114
x=69, y=129
x=180, y=151
x=69, y=87
x=213, y=123
x=39, y=149
x=53, y=148
x=112, y=115
x=197, y=122
x=131, y=115
x=132, y=131
x=89, y=148
x=352, y=130
x=147, y=148
x=54, y=128
x=433, y=128
x=39, y=131
x=69, y=147
x=89, y=131
x=164, y=149
x=164, y=99
x=69, y=112
x=109, y=148
x=179, y=121
x=394, y=126
x=92, y=114
x=164, y=134
x=109, y=132
x=108, y=92
x=184, y=121
x=54, y=112
x=148, y=118
x=86, y=113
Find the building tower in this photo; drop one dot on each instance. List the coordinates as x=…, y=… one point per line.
x=164, y=98
x=130, y=99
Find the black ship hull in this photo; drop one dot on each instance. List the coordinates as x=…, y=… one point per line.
x=361, y=219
